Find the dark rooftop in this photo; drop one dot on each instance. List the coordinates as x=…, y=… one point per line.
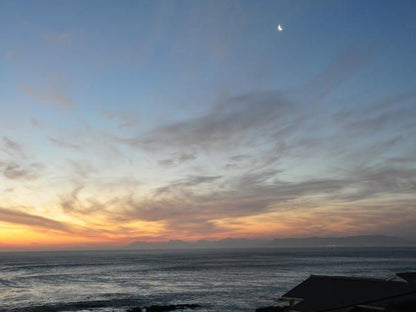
x=327, y=293
x=409, y=277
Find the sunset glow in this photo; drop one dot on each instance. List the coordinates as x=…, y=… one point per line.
x=158, y=121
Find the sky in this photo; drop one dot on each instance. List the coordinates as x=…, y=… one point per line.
x=127, y=121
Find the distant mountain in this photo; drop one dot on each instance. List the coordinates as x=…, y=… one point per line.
x=347, y=241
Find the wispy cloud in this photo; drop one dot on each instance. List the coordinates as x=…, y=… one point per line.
x=256, y=135
x=82, y=169
x=63, y=38
x=233, y=119
x=50, y=96
x=123, y=119
x=14, y=171
x=65, y=144
x=271, y=116
x=183, y=204
x=197, y=204
x=44, y=224
x=17, y=164
x=339, y=69
x=393, y=113
x=177, y=159
x=23, y=218
x=12, y=148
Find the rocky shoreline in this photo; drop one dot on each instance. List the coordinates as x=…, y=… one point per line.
x=164, y=308
x=173, y=307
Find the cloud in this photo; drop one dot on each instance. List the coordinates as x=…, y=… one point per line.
x=383, y=181
x=225, y=124
x=338, y=70
x=65, y=144
x=391, y=115
x=71, y=204
x=23, y=218
x=195, y=201
x=17, y=164
x=50, y=96
x=387, y=104
x=196, y=204
x=123, y=119
x=257, y=186
x=16, y=216
x=167, y=162
x=177, y=159
x=35, y=122
x=255, y=118
x=12, y=148
x=14, y=171
x=239, y=157
x=383, y=121
x=185, y=209
x=82, y=169
x=190, y=182
x=63, y=38
x=265, y=137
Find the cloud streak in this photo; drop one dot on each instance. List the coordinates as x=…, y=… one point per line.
x=12, y=148
x=224, y=124
x=17, y=165
x=50, y=96
x=64, y=144
x=195, y=204
x=23, y=218
x=255, y=136
x=339, y=69
x=177, y=159
x=15, y=171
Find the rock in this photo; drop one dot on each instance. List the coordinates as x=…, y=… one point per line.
x=271, y=309
x=171, y=307
x=134, y=309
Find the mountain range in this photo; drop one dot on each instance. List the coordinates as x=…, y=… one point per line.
x=346, y=241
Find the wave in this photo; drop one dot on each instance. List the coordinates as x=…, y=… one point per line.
x=31, y=266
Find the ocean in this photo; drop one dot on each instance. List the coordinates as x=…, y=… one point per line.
x=218, y=280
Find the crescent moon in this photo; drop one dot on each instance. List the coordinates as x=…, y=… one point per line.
x=279, y=28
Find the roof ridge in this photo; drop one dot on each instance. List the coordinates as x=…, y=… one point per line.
x=349, y=277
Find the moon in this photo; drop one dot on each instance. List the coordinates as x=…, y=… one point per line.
x=279, y=28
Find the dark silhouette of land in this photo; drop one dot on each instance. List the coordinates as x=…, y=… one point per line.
x=347, y=241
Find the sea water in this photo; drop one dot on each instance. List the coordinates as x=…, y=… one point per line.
x=218, y=280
